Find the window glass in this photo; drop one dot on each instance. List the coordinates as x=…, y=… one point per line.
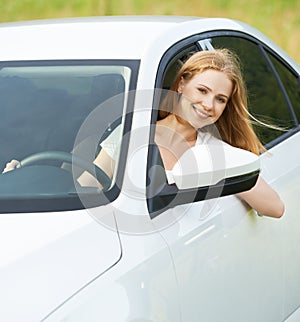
x=175, y=64
x=170, y=71
x=291, y=83
x=266, y=100
x=60, y=107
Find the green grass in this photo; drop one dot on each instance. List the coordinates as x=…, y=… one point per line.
x=278, y=19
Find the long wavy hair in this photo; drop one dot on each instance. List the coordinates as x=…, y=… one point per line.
x=234, y=125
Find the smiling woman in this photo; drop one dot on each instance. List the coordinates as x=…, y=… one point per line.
x=222, y=65
x=208, y=94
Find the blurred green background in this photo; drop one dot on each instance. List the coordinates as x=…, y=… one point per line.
x=278, y=19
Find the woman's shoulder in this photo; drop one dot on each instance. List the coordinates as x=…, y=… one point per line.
x=113, y=134
x=112, y=142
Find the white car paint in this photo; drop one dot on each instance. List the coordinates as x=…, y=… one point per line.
x=40, y=252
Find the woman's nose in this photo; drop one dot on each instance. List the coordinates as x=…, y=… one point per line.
x=208, y=102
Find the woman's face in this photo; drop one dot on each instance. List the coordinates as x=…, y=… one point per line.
x=204, y=97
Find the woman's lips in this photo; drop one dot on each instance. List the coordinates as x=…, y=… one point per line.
x=200, y=112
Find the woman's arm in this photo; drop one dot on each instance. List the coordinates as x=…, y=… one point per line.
x=264, y=199
x=105, y=163
x=105, y=160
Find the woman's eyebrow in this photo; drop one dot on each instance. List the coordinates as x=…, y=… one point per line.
x=207, y=87
x=224, y=95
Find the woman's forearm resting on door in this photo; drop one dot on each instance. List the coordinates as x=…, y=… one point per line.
x=264, y=199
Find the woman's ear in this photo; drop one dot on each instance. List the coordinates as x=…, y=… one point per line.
x=180, y=85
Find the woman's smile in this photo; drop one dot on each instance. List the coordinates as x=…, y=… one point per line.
x=200, y=112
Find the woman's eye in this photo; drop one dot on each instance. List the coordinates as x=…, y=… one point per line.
x=202, y=90
x=221, y=100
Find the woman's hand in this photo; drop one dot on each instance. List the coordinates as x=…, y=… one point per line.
x=11, y=165
x=264, y=199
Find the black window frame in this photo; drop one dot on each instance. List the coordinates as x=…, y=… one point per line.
x=160, y=195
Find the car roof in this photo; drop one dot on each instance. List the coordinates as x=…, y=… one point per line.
x=107, y=37
x=95, y=37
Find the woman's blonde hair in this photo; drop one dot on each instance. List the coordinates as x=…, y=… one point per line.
x=234, y=124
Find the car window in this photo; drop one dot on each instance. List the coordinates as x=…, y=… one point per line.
x=162, y=193
x=175, y=64
x=291, y=83
x=57, y=109
x=267, y=102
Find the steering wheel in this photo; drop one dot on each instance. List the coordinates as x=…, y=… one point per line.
x=95, y=171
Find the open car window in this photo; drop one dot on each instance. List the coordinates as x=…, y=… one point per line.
x=273, y=92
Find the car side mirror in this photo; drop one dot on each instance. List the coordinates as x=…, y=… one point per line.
x=208, y=164
x=203, y=172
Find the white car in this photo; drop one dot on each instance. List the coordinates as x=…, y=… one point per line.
x=139, y=250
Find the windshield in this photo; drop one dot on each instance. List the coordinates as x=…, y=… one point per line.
x=43, y=108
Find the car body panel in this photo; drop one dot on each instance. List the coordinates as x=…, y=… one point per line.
x=142, y=287
x=51, y=37
x=46, y=258
x=223, y=250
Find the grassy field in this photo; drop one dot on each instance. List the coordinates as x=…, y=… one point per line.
x=278, y=19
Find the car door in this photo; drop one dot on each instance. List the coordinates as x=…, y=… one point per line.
x=52, y=246
x=274, y=99
x=232, y=264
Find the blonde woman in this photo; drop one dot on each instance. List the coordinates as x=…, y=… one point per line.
x=210, y=91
